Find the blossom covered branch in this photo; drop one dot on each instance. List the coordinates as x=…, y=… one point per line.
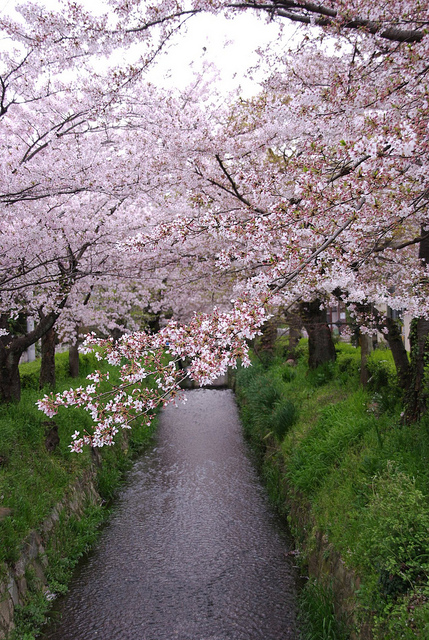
x=150, y=375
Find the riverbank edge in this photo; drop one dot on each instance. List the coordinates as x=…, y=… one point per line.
x=31, y=584
x=65, y=498
x=322, y=562
x=27, y=577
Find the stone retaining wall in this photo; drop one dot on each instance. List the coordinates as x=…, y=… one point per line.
x=33, y=559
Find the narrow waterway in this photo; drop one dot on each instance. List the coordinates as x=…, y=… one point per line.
x=193, y=550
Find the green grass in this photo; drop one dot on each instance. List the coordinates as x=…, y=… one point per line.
x=339, y=427
x=317, y=616
x=364, y=476
x=29, y=371
x=73, y=538
x=33, y=480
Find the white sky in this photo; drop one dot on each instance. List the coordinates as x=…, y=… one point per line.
x=228, y=44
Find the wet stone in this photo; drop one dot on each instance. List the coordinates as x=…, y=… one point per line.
x=38, y=571
x=5, y=613
x=22, y=586
x=13, y=591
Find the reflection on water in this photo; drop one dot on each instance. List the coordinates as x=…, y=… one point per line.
x=192, y=551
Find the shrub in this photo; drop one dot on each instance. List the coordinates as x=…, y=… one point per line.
x=322, y=375
x=382, y=371
x=348, y=362
x=301, y=351
x=30, y=371
x=393, y=547
x=284, y=416
x=288, y=374
x=29, y=374
x=395, y=529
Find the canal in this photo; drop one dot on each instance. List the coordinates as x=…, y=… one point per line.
x=193, y=550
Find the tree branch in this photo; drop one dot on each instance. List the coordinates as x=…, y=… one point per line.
x=314, y=255
x=311, y=13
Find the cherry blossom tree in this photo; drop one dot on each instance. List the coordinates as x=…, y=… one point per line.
x=66, y=183
x=314, y=190
x=84, y=170
x=348, y=131
x=353, y=131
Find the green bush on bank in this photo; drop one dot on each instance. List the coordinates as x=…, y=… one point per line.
x=33, y=480
x=30, y=371
x=363, y=473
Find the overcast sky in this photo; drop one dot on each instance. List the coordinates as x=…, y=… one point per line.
x=230, y=45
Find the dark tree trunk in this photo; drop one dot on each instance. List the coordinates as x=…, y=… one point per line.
x=397, y=347
x=116, y=334
x=399, y=353
x=10, y=382
x=321, y=348
x=294, y=321
x=416, y=398
x=74, y=360
x=269, y=335
x=154, y=323
x=11, y=349
x=366, y=347
x=47, y=367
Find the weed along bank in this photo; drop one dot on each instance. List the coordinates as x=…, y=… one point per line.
x=52, y=502
x=353, y=480
x=27, y=583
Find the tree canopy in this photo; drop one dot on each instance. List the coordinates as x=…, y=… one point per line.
x=313, y=190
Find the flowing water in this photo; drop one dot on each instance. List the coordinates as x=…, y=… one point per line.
x=193, y=550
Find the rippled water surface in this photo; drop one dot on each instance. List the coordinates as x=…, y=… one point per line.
x=193, y=551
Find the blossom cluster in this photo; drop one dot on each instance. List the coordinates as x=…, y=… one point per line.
x=151, y=370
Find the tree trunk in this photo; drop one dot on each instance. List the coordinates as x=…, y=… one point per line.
x=397, y=347
x=399, y=353
x=321, y=348
x=74, y=360
x=47, y=368
x=366, y=347
x=416, y=398
x=154, y=323
x=10, y=382
x=269, y=335
x=11, y=349
x=294, y=322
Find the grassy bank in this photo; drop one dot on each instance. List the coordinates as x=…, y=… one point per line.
x=340, y=456
x=35, y=476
